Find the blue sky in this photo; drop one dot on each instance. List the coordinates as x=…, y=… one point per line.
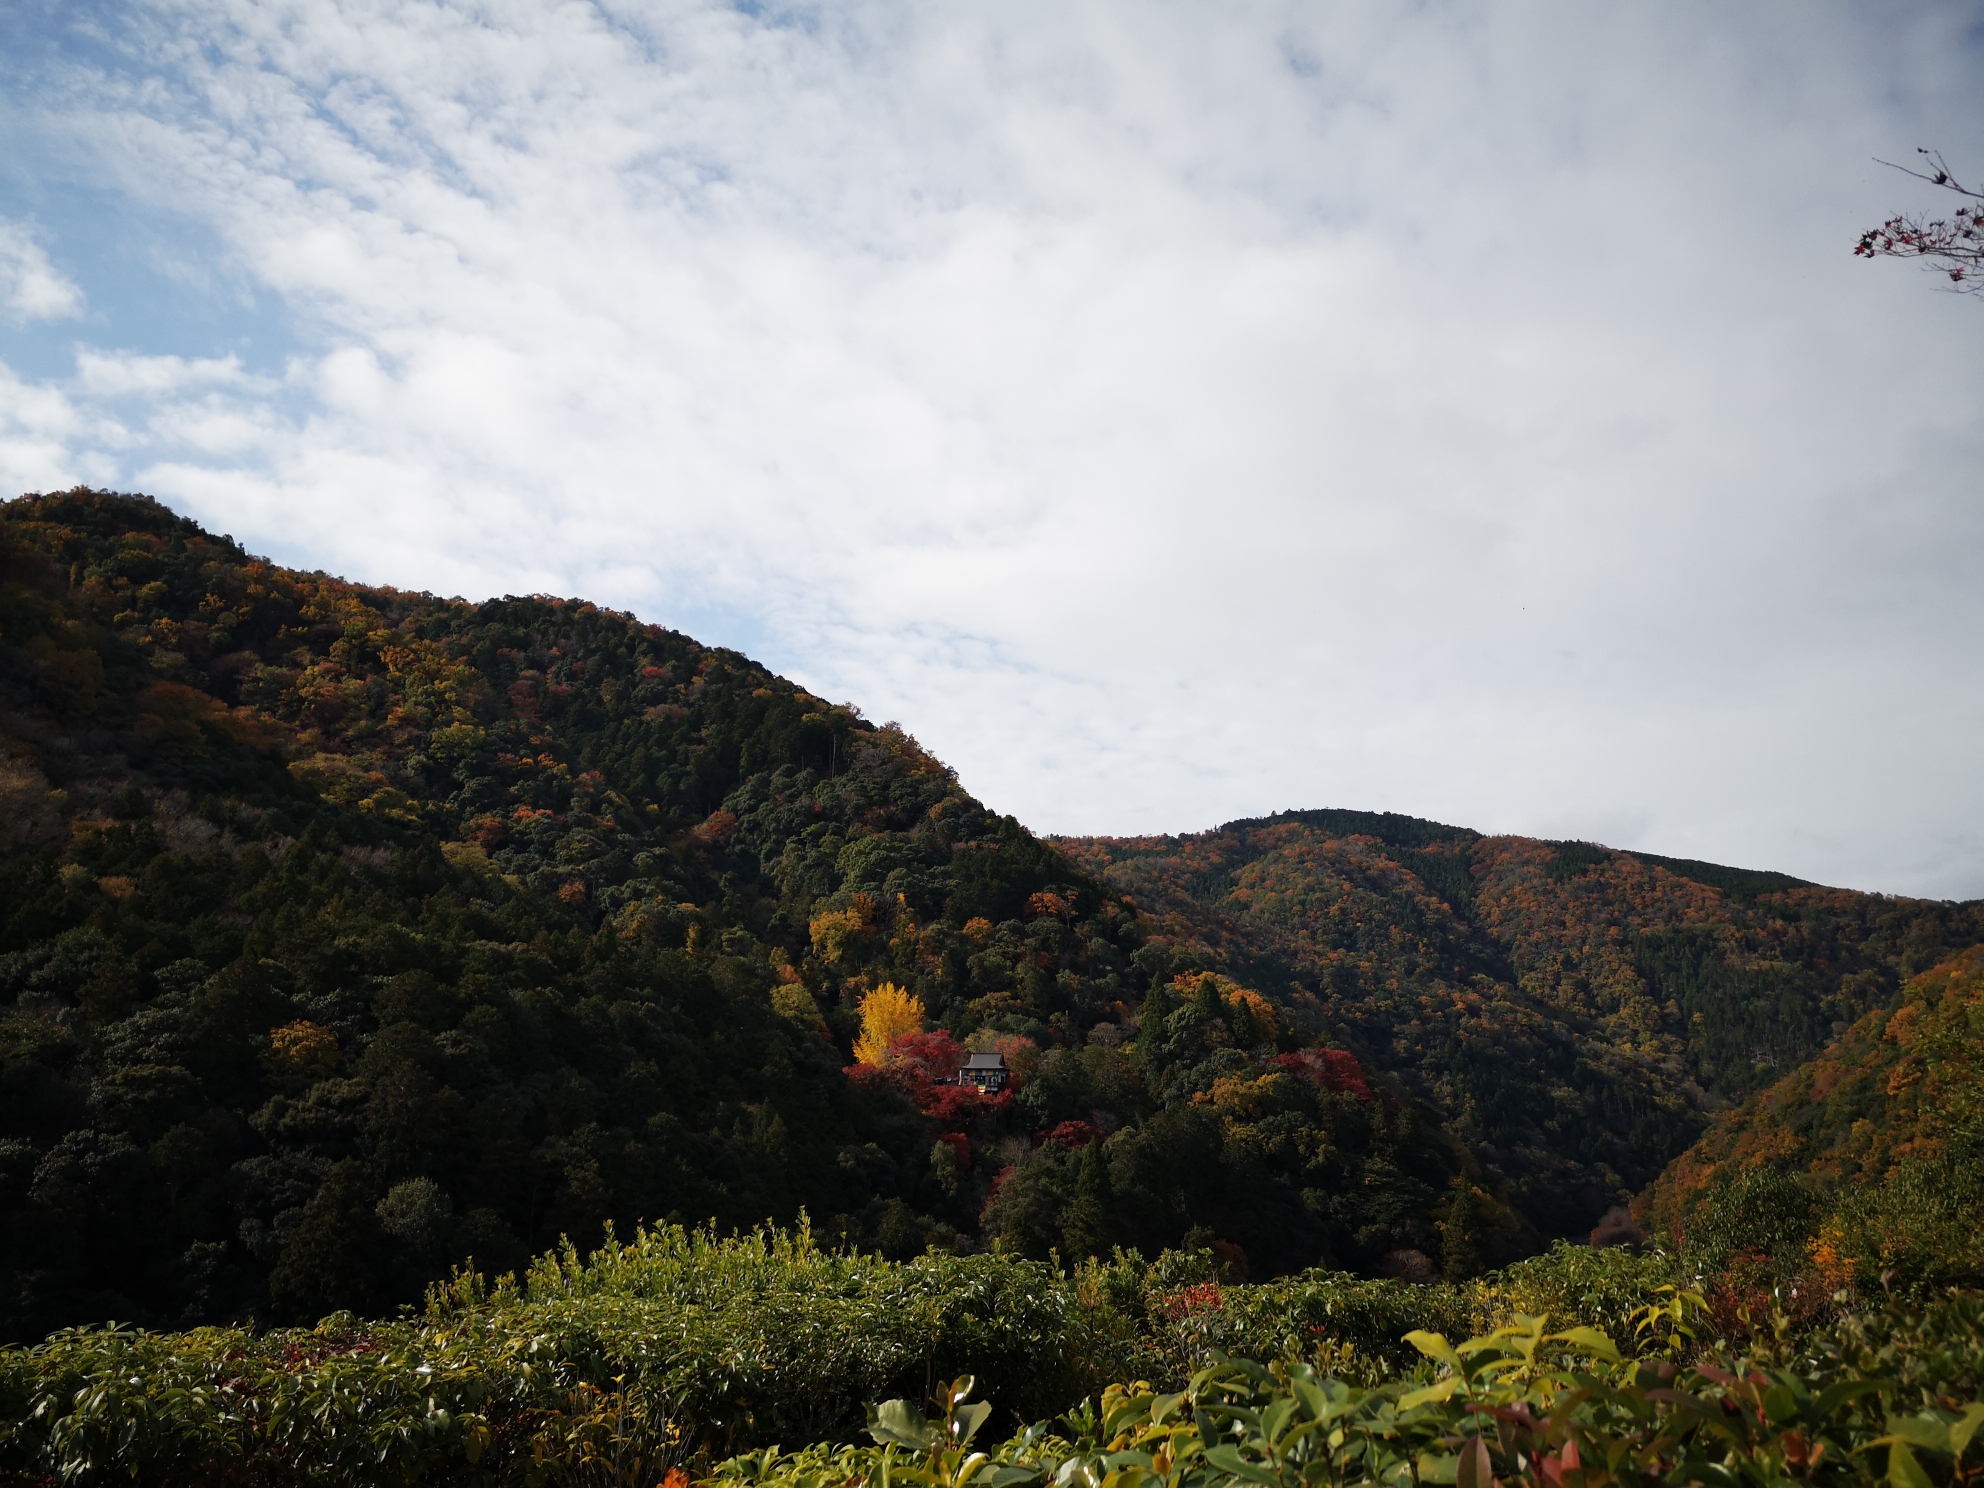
x=1169, y=414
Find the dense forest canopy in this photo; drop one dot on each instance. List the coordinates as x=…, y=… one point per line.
x=347, y=933
x=1573, y=1014
x=1867, y=1161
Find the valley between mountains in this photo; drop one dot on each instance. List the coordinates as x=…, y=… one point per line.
x=349, y=933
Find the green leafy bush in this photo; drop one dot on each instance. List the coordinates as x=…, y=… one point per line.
x=1519, y=1405
x=671, y=1344
x=772, y=1337
x=677, y=1346
x=1596, y=1288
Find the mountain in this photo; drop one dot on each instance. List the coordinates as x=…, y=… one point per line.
x=1573, y=1014
x=347, y=934
x=1867, y=1161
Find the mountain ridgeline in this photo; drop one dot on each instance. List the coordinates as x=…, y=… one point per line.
x=349, y=933
x=1573, y=1014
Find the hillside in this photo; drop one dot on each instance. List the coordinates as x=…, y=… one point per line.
x=1573, y=1013
x=1868, y=1160
x=346, y=933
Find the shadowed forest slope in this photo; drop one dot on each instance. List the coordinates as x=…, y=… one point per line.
x=1866, y=1162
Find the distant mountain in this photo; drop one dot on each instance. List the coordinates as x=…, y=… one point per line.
x=1573, y=1013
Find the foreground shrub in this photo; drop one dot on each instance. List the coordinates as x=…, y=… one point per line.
x=676, y=1347
x=1521, y=1405
x=1350, y=1326
x=773, y=1338
x=672, y=1345
x=1604, y=1288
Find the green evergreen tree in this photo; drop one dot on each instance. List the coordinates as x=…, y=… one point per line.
x=1460, y=1234
x=332, y=1258
x=1088, y=1230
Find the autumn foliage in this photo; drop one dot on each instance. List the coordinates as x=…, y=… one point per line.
x=349, y=932
x=888, y=1015
x=923, y=1067
x=1572, y=1011
x=1867, y=1161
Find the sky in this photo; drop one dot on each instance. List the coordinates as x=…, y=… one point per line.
x=1168, y=413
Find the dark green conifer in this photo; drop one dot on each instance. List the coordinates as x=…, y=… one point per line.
x=1088, y=1230
x=1460, y=1234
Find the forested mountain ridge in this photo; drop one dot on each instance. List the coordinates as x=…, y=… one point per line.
x=346, y=932
x=1574, y=1013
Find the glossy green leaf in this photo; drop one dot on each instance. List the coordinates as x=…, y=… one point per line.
x=1443, y=1390
x=1433, y=1346
x=1591, y=1341
x=1903, y=1470
x=1964, y=1429
x=1228, y=1460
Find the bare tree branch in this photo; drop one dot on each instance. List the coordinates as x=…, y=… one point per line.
x=1953, y=247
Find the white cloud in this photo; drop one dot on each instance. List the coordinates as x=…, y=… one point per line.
x=32, y=288
x=1168, y=415
x=46, y=442
x=122, y=374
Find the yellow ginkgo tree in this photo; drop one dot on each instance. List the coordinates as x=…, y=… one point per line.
x=887, y=1014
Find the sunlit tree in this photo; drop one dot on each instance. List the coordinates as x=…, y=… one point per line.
x=887, y=1014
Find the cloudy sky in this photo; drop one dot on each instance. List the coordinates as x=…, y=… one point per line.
x=1169, y=413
